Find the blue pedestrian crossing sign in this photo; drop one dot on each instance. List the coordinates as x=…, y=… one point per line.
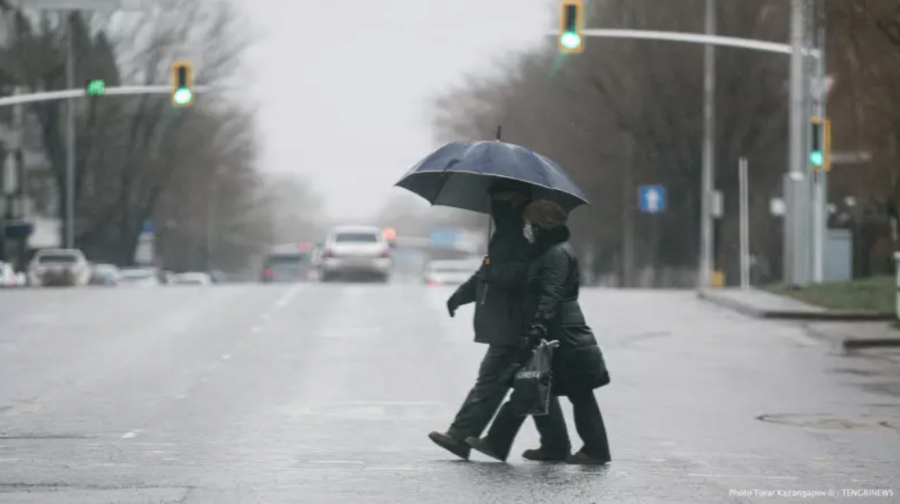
x=652, y=198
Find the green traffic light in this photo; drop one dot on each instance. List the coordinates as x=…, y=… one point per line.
x=96, y=87
x=816, y=158
x=570, y=40
x=182, y=96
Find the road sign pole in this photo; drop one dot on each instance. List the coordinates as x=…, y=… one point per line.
x=744, y=224
x=708, y=170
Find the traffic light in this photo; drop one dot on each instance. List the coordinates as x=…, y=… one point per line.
x=95, y=87
x=571, y=23
x=820, y=147
x=182, y=84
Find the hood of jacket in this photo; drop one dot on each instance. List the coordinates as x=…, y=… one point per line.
x=545, y=238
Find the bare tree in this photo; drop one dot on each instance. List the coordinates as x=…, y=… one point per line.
x=628, y=112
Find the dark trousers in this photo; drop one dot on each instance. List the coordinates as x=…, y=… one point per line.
x=552, y=427
x=491, y=386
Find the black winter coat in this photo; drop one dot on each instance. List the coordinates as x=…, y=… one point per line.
x=498, y=288
x=551, y=301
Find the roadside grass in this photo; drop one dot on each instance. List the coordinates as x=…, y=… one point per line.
x=874, y=294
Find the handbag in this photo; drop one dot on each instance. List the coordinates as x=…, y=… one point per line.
x=533, y=381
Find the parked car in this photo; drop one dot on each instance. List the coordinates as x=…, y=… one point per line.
x=140, y=277
x=450, y=272
x=356, y=251
x=59, y=268
x=105, y=275
x=9, y=277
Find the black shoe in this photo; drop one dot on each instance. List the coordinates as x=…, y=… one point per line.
x=544, y=455
x=482, y=446
x=451, y=444
x=582, y=458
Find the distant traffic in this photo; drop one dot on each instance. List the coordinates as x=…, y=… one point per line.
x=347, y=254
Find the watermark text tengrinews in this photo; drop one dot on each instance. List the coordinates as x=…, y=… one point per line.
x=842, y=493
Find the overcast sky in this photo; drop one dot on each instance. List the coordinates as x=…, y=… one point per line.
x=344, y=85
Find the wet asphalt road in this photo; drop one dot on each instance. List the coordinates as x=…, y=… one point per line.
x=324, y=394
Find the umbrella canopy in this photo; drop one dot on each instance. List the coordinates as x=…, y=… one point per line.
x=459, y=175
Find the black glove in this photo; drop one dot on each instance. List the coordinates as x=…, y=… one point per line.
x=452, y=305
x=535, y=334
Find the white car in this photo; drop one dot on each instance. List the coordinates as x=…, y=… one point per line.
x=9, y=277
x=59, y=267
x=139, y=277
x=450, y=272
x=355, y=251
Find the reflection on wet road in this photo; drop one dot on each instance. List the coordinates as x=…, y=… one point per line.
x=324, y=394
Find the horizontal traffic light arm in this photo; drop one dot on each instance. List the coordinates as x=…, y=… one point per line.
x=696, y=38
x=81, y=93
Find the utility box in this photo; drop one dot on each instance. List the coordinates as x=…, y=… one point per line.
x=838, y=256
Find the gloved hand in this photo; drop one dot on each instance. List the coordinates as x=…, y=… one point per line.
x=535, y=334
x=452, y=305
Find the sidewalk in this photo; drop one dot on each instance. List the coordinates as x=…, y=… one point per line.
x=854, y=335
x=763, y=304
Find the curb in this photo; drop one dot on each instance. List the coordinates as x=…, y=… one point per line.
x=849, y=343
x=822, y=316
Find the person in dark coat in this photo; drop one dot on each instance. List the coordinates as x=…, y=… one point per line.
x=497, y=290
x=552, y=312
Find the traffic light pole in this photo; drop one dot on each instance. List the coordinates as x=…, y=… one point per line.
x=820, y=180
x=69, y=224
x=82, y=93
x=797, y=195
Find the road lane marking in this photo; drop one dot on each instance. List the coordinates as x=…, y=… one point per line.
x=132, y=434
x=287, y=297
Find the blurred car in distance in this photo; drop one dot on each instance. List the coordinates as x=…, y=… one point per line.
x=356, y=251
x=105, y=275
x=450, y=272
x=193, y=278
x=294, y=266
x=9, y=277
x=139, y=277
x=59, y=268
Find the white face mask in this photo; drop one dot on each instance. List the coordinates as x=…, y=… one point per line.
x=528, y=232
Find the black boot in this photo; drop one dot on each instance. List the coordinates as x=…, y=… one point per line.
x=484, y=447
x=582, y=458
x=544, y=455
x=451, y=444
